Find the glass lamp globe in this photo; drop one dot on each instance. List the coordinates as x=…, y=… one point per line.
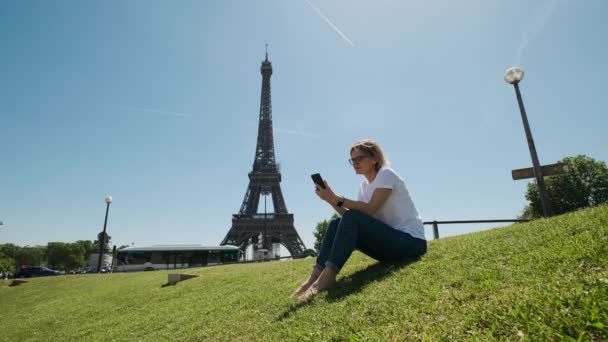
x=514, y=75
x=109, y=199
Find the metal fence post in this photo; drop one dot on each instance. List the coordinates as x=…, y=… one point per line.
x=435, y=230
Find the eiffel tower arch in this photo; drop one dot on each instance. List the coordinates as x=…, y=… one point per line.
x=264, y=229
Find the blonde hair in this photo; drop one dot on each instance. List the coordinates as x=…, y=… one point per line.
x=373, y=149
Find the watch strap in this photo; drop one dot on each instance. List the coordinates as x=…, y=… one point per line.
x=341, y=201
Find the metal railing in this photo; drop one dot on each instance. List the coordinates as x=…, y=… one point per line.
x=435, y=235
x=437, y=223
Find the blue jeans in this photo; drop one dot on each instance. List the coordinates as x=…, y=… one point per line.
x=369, y=235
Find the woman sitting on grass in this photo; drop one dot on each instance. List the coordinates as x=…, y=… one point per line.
x=382, y=223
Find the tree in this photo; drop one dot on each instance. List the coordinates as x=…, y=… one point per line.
x=584, y=186
x=32, y=256
x=16, y=255
x=88, y=246
x=65, y=255
x=321, y=230
x=100, y=237
x=9, y=250
x=7, y=264
x=309, y=252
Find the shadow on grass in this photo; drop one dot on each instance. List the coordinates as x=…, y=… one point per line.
x=17, y=282
x=292, y=309
x=357, y=281
x=353, y=283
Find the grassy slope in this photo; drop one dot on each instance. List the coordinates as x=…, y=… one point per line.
x=542, y=280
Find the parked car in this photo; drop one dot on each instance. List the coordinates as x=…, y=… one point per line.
x=85, y=270
x=36, y=271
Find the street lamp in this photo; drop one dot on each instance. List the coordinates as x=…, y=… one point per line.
x=103, y=237
x=513, y=76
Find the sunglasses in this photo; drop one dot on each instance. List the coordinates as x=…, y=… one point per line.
x=357, y=160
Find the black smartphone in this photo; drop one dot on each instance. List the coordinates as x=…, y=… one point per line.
x=318, y=180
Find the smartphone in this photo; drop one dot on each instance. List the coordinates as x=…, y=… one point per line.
x=318, y=180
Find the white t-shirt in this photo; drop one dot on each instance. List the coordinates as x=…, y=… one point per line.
x=398, y=211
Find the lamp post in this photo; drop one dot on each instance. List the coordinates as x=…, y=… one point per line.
x=513, y=76
x=102, y=241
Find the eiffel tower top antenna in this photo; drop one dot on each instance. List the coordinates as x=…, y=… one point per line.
x=264, y=152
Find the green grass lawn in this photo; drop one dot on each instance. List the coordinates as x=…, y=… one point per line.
x=544, y=280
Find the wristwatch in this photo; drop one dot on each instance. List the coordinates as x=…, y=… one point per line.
x=341, y=201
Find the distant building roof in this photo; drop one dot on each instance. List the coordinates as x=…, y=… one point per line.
x=179, y=248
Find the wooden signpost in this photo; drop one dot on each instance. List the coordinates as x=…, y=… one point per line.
x=546, y=170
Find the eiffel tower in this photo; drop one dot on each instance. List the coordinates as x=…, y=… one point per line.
x=264, y=229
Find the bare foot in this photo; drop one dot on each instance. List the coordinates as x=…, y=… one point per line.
x=326, y=280
x=305, y=285
x=310, y=292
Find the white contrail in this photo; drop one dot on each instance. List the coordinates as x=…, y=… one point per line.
x=140, y=109
x=298, y=132
x=330, y=23
x=536, y=30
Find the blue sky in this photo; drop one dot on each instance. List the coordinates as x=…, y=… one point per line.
x=156, y=104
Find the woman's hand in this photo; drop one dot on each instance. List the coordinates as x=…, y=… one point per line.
x=326, y=194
